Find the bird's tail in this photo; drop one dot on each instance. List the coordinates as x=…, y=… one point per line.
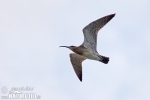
x=103, y=59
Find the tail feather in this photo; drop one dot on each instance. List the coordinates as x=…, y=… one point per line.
x=104, y=59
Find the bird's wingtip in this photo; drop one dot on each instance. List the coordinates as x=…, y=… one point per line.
x=80, y=78
x=113, y=14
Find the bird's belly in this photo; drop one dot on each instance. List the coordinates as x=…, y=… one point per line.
x=90, y=55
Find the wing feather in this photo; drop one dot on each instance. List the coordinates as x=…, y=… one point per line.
x=76, y=61
x=90, y=32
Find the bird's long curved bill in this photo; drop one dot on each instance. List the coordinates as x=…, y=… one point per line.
x=64, y=46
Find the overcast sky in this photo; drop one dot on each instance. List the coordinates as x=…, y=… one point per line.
x=31, y=32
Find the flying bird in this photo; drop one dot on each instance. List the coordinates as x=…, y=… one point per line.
x=87, y=50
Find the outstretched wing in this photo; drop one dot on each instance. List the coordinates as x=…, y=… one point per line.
x=91, y=30
x=76, y=61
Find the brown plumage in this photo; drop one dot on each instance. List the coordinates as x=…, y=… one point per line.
x=87, y=50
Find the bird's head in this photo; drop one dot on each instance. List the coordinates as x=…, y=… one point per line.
x=70, y=47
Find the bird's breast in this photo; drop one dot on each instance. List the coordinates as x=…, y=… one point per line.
x=90, y=55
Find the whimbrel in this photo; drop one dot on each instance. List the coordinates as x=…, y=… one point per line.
x=87, y=50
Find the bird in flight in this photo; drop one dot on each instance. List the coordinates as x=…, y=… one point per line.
x=87, y=50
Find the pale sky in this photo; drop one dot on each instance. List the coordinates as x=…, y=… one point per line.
x=31, y=32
